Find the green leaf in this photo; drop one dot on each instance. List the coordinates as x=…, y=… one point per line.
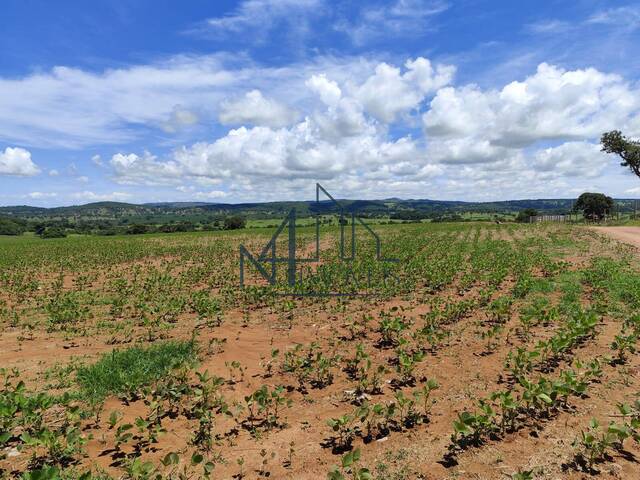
x=364, y=474
x=171, y=458
x=334, y=474
x=196, y=459
x=347, y=460
x=545, y=398
x=356, y=455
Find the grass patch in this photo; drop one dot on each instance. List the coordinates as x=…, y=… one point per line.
x=542, y=285
x=126, y=371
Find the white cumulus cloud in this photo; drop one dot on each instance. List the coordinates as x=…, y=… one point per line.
x=536, y=135
x=389, y=92
x=348, y=120
x=144, y=169
x=572, y=159
x=551, y=105
x=345, y=136
x=253, y=108
x=328, y=90
x=17, y=161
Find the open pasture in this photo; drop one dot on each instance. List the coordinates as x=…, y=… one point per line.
x=499, y=351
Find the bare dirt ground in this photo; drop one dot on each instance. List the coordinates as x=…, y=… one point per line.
x=629, y=235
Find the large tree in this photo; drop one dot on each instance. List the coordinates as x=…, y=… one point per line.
x=526, y=214
x=9, y=226
x=234, y=222
x=628, y=150
x=594, y=206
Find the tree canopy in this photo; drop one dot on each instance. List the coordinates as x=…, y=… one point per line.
x=234, y=223
x=53, y=232
x=11, y=227
x=628, y=150
x=594, y=206
x=523, y=215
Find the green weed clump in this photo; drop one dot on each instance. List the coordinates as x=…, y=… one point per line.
x=124, y=372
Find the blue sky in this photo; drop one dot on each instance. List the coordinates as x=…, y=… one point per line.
x=259, y=99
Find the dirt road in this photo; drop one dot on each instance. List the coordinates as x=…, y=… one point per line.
x=630, y=235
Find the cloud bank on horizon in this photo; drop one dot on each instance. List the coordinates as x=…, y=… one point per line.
x=404, y=98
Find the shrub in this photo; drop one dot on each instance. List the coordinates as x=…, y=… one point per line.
x=138, y=229
x=234, y=223
x=53, y=232
x=523, y=215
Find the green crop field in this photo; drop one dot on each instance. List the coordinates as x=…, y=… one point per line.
x=489, y=351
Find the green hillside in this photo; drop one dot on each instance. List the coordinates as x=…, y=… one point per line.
x=272, y=210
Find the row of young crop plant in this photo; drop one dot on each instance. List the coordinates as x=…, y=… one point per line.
x=373, y=421
x=410, y=347
x=503, y=412
x=596, y=442
x=547, y=354
x=507, y=411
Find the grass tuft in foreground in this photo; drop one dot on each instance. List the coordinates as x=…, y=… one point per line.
x=126, y=371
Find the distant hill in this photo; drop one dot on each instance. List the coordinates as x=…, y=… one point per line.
x=266, y=210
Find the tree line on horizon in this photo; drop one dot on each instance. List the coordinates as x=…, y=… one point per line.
x=61, y=228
